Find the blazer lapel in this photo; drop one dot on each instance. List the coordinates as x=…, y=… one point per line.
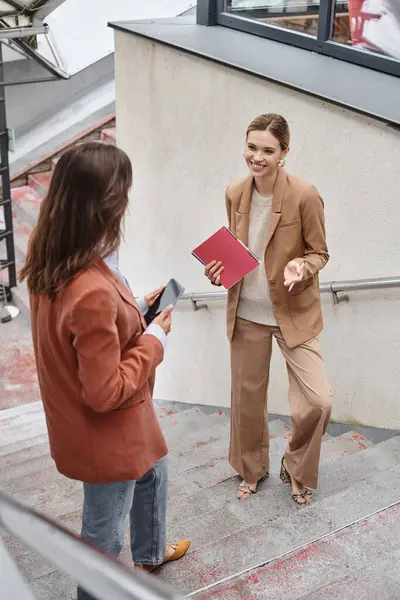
x=243, y=212
x=122, y=289
x=277, y=199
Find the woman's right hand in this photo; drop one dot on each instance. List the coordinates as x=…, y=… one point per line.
x=213, y=272
x=164, y=319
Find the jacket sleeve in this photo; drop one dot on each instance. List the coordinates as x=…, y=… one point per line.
x=313, y=227
x=109, y=378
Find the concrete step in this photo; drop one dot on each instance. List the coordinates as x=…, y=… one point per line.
x=17, y=417
x=273, y=499
x=40, y=182
x=22, y=420
x=24, y=410
x=15, y=411
x=202, y=453
x=347, y=443
x=186, y=506
x=15, y=433
x=57, y=497
x=21, y=300
x=214, y=431
x=171, y=421
x=203, y=487
x=22, y=233
x=47, y=474
x=183, y=424
x=12, y=460
x=17, y=423
x=26, y=203
x=240, y=550
x=109, y=135
x=27, y=470
x=165, y=411
x=217, y=469
x=16, y=446
x=359, y=562
x=190, y=500
x=34, y=466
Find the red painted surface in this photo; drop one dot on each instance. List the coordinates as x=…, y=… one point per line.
x=27, y=196
x=287, y=574
x=109, y=135
x=40, y=181
x=18, y=379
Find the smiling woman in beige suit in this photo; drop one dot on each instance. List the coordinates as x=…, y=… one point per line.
x=281, y=218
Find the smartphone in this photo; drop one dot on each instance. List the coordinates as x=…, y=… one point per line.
x=170, y=295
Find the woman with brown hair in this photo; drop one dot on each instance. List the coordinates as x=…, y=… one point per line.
x=281, y=219
x=96, y=360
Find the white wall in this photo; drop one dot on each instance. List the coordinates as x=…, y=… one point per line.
x=182, y=120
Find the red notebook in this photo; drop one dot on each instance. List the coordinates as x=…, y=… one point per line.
x=236, y=258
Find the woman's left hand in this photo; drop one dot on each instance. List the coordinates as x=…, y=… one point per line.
x=152, y=296
x=293, y=273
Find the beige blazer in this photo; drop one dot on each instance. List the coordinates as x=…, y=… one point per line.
x=296, y=230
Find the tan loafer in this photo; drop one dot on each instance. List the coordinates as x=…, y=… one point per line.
x=180, y=548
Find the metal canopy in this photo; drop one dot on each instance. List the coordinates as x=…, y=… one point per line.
x=78, y=35
x=33, y=9
x=21, y=22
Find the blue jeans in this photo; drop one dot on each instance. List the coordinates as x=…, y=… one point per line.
x=106, y=506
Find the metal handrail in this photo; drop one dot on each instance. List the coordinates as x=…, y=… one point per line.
x=333, y=287
x=95, y=572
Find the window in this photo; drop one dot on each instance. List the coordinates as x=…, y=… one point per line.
x=370, y=25
x=366, y=32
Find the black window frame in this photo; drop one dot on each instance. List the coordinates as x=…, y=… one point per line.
x=322, y=43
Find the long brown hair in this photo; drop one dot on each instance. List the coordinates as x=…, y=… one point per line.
x=80, y=218
x=274, y=123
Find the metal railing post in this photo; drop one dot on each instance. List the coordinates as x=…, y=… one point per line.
x=5, y=199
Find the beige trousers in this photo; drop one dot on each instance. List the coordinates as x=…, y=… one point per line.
x=310, y=400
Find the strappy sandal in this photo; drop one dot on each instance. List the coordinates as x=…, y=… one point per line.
x=305, y=495
x=245, y=489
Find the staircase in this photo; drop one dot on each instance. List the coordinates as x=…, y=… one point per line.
x=30, y=186
x=345, y=546
x=358, y=478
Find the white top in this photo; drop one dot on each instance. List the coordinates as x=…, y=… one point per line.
x=255, y=302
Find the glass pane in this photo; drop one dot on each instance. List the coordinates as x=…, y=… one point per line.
x=371, y=25
x=297, y=15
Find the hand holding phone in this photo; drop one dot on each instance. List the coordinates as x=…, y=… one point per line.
x=164, y=319
x=168, y=297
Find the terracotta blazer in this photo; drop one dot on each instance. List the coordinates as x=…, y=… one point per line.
x=96, y=373
x=296, y=229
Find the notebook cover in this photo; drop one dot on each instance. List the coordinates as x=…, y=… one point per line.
x=236, y=258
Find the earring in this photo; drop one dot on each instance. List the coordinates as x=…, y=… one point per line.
x=281, y=162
